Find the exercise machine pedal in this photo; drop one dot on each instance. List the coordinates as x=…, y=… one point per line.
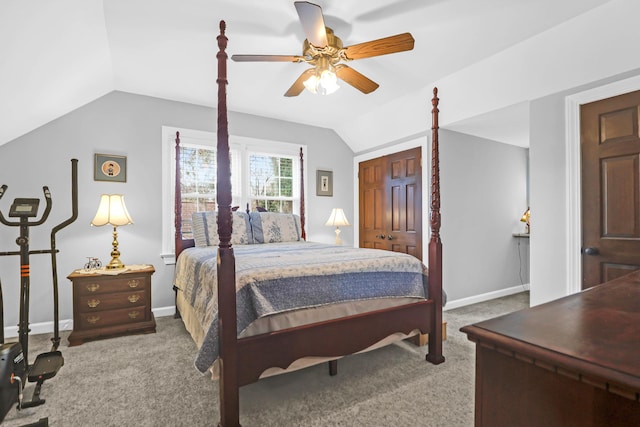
x=42, y=422
x=44, y=367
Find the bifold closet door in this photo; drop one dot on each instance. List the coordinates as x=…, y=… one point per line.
x=390, y=193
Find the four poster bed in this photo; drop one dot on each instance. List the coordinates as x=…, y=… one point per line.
x=339, y=300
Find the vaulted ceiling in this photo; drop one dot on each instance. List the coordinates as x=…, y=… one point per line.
x=489, y=58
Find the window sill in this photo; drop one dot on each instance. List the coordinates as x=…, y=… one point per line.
x=168, y=259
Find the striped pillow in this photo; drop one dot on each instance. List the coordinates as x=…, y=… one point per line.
x=205, y=228
x=274, y=227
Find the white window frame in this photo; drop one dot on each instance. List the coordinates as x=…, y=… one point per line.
x=243, y=145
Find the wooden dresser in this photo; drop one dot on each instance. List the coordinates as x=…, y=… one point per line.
x=571, y=362
x=107, y=305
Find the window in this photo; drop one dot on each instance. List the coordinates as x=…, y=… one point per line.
x=263, y=174
x=271, y=182
x=198, y=181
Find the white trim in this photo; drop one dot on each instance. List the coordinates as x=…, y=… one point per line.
x=573, y=219
x=67, y=324
x=164, y=311
x=485, y=297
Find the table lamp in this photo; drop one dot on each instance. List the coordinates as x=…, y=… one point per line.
x=337, y=219
x=526, y=218
x=112, y=210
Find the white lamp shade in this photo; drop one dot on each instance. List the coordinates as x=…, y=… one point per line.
x=112, y=210
x=337, y=218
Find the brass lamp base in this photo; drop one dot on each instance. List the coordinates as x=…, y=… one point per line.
x=115, y=262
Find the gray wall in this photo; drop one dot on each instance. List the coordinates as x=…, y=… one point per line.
x=548, y=187
x=130, y=125
x=483, y=187
x=548, y=199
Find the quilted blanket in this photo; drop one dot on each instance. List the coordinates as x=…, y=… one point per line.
x=280, y=277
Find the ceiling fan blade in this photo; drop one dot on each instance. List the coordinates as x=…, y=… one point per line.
x=392, y=44
x=267, y=58
x=355, y=79
x=298, y=86
x=312, y=22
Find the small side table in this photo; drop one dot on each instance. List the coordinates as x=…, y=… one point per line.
x=109, y=305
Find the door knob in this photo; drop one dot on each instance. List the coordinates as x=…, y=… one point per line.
x=382, y=236
x=590, y=251
x=389, y=237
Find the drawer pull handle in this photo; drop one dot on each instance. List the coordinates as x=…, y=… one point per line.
x=92, y=287
x=133, y=283
x=133, y=298
x=134, y=314
x=93, y=303
x=93, y=319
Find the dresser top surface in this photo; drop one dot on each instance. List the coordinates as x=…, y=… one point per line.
x=599, y=326
x=132, y=269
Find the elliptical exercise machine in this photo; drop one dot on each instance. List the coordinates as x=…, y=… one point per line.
x=14, y=357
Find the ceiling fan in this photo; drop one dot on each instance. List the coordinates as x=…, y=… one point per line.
x=324, y=50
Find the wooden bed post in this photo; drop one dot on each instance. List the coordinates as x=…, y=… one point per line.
x=435, y=244
x=177, y=199
x=227, y=320
x=177, y=216
x=304, y=233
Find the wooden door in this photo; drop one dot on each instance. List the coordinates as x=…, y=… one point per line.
x=391, y=202
x=371, y=176
x=610, y=145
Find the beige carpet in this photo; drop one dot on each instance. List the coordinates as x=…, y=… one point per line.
x=149, y=380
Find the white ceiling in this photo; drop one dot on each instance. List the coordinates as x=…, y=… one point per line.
x=488, y=57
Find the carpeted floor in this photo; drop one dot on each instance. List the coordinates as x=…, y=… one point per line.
x=149, y=380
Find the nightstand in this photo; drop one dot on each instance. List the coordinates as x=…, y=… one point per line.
x=108, y=305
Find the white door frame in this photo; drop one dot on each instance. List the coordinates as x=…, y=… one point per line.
x=573, y=177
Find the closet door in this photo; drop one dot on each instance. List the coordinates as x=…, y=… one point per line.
x=391, y=202
x=371, y=176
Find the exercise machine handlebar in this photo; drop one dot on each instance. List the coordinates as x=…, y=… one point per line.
x=23, y=221
x=54, y=265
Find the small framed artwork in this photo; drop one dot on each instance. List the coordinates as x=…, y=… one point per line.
x=324, y=183
x=108, y=167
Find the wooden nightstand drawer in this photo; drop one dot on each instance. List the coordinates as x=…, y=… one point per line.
x=100, y=319
x=101, y=285
x=101, y=302
x=107, y=305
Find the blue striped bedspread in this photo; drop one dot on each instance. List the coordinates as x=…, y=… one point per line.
x=280, y=277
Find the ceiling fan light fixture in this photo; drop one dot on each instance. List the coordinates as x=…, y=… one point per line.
x=324, y=81
x=311, y=84
x=324, y=51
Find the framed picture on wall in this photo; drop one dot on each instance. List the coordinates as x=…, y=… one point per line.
x=324, y=183
x=108, y=167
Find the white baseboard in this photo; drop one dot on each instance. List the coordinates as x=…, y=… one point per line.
x=164, y=311
x=485, y=297
x=67, y=324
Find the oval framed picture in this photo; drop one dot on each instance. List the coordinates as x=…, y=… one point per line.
x=109, y=167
